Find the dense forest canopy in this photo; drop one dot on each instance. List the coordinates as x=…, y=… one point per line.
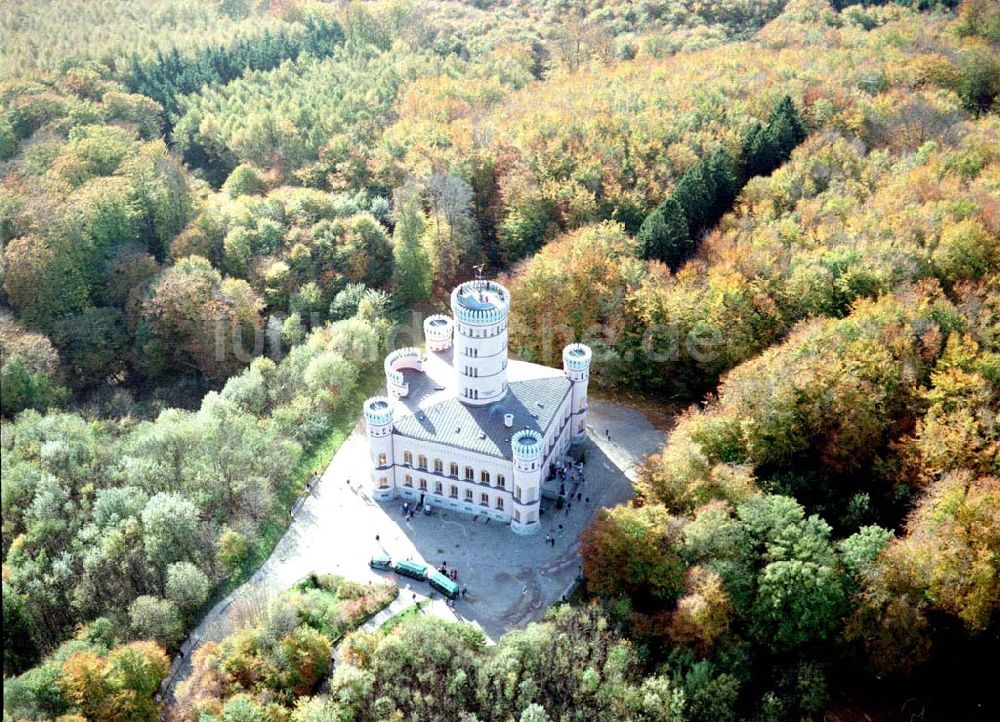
x=783, y=213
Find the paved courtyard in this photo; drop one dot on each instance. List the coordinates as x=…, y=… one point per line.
x=511, y=580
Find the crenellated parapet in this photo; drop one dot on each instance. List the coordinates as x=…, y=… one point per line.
x=577, y=357
x=526, y=445
x=404, y=358
x=480, y=302
x=378, y=411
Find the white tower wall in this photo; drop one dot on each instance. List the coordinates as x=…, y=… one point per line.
x=378, y=424
x=480, y=309
x=576, y=365
x=527, y=447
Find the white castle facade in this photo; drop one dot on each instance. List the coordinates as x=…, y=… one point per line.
x=465, y=428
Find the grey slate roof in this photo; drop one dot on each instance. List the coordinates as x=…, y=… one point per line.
x=434, y=414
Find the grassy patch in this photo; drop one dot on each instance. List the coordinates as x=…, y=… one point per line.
x=397, y=619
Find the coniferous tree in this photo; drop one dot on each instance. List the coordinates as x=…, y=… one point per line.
x=172, y=75
x=693, y=196
x=786, y=128
x=721, y=168
x=664, y=234
x=760, y=155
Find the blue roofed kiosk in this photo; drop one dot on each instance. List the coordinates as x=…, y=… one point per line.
x=462, y=426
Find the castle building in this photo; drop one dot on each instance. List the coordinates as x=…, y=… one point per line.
x=465, y=428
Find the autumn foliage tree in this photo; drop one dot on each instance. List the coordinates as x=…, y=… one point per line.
x=633, y=552
x=118, y=686
x=194, y=319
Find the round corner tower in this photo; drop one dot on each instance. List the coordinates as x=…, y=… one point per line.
x=480, y=309
x=378, y=425
x=576, y=365
x=438, y=331
x=526, y=447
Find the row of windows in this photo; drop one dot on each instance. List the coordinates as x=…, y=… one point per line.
x=469, y=474
x=473, y=351
x=473, y=371
x=474, y=393
x=484, y=498
x=479, y=332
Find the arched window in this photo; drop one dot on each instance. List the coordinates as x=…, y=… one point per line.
x=408, y=458
x=409, y=481
x=381, y=459
x=423, y=485
x=469, y=473
x=438, y=488
x=438, y=466
x=453, y=470
x=421, y=462
x=500, y=503
x=501, y=482
x=484, y=477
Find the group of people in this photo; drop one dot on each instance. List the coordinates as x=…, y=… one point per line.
x=407, y=511
x=452, y=574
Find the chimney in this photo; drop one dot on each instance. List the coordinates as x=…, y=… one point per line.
x=508, y=420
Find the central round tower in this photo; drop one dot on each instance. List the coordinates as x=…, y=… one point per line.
x=480, y=309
